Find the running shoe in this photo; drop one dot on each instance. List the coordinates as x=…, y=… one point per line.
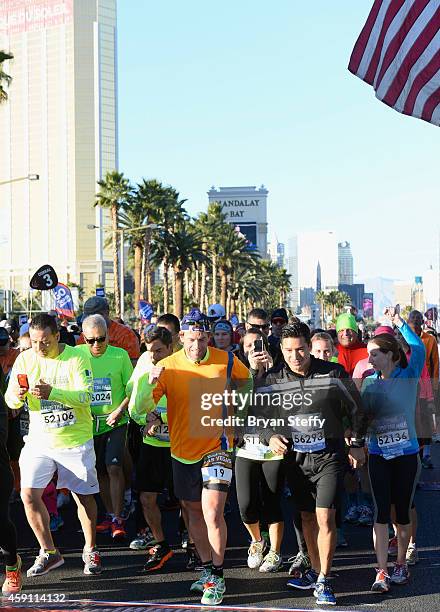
x=400, y=574
x=365, y=516
x=256, y=553
x=199, y=585
x=392, y=547
x=117, y=529
x=45, y=562
x=143, y=540
x=214, y=591
x=128, y=509
x=56, y=521
x=272, y=562
x=352, y=515
x=324, y=593
x=412, y=555
x=427, y=463
x=300, y=564
x=105, y=525
x=157, y=557
x=13, y=580
x=382, y=582
x=304, y=582
x=92, y=562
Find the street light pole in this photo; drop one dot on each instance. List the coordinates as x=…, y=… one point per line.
x=29, y=177
x=121, y=267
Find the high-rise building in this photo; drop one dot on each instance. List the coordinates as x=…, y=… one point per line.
x=60, y=122
x=356, y=293
x=345, y=264
x=246, y=208
x=314, y=247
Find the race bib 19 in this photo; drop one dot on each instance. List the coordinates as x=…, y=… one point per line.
x=56, y=415
x=392, y=436
x=102, y=392
x=308, y=438
x=217, y=470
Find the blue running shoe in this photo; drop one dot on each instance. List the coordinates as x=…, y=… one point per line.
x=306, y=581
x=324, y=593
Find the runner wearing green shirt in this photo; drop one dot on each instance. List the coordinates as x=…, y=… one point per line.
x=56, y=381
x=111, y=370
x=153, y=468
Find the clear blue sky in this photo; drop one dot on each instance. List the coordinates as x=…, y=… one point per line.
x=245, y=92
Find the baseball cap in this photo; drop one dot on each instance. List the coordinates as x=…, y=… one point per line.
x=95, y=305
x=346, y=321
x=279, y=313
x=4, y=336
x=216, y=311
x=195, y=321
x=384, y=329
x=10, y=325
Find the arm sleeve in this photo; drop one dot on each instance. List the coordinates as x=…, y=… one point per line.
x=80, y=383
x=127, y=369
x=418, y=353
x=144, y=397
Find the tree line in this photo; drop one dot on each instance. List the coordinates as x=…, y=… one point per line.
x=204, y=259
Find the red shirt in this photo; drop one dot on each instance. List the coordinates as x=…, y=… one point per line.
x=349, y=356
x=122, y=337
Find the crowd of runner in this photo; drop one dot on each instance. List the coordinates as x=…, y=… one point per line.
x=339, y=421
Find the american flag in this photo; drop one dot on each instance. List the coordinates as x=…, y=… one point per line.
x=398, y=53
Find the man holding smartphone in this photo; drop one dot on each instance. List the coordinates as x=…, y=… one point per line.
x=56, y=381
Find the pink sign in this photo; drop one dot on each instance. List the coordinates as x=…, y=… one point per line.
x=18, y=16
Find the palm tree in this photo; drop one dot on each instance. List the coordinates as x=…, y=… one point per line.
x=321, y=298
x=5, y=79
x=185, y=250
x=113, y=195
x=282, y=283
x=169, y=213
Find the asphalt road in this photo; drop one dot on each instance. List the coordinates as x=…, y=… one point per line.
x=353, y=570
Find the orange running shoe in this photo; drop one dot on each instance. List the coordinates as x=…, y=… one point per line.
x=13, y=580
x=118, y=528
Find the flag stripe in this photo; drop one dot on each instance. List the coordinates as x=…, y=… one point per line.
x=409, y=30
x=418, y=83
x=367, y=40
x=398, y=53
x=432, y=102
x=415, y=51
x=391, y=13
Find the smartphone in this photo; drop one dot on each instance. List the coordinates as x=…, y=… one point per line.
x=23, y=381
x=258, y=346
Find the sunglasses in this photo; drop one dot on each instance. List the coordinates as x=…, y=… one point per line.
x=265, y=326
x=99, y=340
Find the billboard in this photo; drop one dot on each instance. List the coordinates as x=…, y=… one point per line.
x=17, y=16
x=368, y=305
x=249, y=231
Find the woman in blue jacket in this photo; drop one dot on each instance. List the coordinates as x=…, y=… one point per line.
x=390, y=396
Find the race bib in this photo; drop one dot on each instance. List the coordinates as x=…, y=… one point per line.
x=102, y=392
x=217, y=470
x=24, y=423
x=392, y=436
x=308, y=438
x=56, y=415
x=254, y=447
x=162, y=433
